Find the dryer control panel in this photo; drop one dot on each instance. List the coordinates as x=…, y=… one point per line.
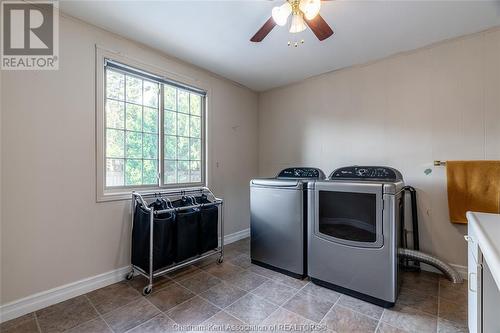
x=310, y=173
x=367, y=173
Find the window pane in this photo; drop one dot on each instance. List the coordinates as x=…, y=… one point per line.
x=134, y=145
x=195, y=171
x=134, y=117
x=133, y=172
x=170, y=123
x=170, y=172
x=195, y=149
x=114, y=143
x=195, y=127
x=195, y=103
x=183, y=148
x=183, y=101
x=170, y=147
x=114, y=172
x=150, y=94
x=132, y=137
x=182, y=124
x=115, y=85
x=150, y=145
x=170, y=96
x=182, y=171
x=150, y=121
x=134, y=89
x=149, y=172
x=115, y=114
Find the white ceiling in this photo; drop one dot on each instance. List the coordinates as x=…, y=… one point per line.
x=215, y=34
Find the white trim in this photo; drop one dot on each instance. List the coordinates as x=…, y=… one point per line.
x=462, y=270
x=236, y=236
x=49, y=297
x=101, y=53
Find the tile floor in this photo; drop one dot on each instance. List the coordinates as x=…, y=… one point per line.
x=238, y=293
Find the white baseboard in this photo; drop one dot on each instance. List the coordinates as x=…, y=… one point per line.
x=236, y=236
x=462, y=270
x=49, y=297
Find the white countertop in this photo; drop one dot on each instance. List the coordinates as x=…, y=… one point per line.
x=487, y=229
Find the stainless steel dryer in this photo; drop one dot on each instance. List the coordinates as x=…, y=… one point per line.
x=354, y=232
x=278, y=220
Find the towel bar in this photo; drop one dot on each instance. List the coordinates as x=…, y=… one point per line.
x=439, y=163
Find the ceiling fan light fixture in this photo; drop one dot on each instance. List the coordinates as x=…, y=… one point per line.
x=310, y=8
x=298, y=24
x=304, y=14
x=280, y=14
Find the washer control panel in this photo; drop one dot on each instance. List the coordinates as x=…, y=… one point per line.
x=313, y=173
x=366, y=173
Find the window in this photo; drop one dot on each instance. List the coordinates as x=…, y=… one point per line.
x=153, y=130
x=182, y=136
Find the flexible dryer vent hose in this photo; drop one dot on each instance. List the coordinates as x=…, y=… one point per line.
x=425, y=258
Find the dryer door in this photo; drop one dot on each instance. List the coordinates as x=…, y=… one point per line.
x=349, y=213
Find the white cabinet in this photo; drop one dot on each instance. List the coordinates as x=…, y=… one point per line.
x=484, y=291
x=474, y=281
x=490, y=301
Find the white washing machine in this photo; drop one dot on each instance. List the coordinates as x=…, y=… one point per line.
x=353, y=231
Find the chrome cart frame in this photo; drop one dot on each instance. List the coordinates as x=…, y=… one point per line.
x=140, y=198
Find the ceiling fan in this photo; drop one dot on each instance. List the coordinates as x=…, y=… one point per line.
x=305, y=13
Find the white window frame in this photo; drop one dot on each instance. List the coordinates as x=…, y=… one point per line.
x=124, y=193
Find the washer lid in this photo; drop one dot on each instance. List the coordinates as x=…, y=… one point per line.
x=277, y=183
x=301, y=173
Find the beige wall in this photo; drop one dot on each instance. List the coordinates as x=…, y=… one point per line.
x=53, y=231
x=441, y=102
x=437, y=103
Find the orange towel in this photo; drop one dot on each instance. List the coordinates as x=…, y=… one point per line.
x=472, y=186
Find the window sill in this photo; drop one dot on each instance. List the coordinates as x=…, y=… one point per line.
x=126, y=194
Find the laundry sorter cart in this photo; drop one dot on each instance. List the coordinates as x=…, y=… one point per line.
x=173, y=230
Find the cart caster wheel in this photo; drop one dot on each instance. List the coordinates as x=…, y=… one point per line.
x=147, y=290
x=129, y=276
x=220, y=260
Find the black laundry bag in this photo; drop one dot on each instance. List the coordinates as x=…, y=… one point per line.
x=163, y=238
x=208, y=231
x=187, y=235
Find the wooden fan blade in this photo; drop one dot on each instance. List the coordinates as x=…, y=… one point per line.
x=264, y=31
x=319, y=26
